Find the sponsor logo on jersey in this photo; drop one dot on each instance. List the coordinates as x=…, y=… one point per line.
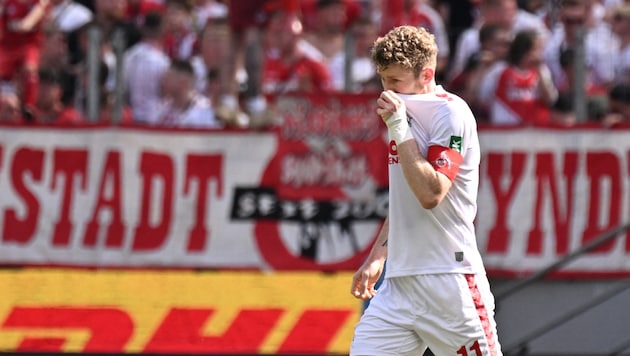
x=456, y=143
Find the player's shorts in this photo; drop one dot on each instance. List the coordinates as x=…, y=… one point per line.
x=452, y=314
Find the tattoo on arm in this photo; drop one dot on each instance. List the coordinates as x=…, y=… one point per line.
x=384, y=243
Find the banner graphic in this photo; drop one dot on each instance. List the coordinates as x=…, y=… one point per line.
x=545, y=193
x=310, y=195
x=56, y=310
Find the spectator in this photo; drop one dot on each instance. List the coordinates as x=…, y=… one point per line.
x=68, y=15
x=183, y=105
x=54, y=57
x=287, y=68
x=107, y=105
x=504, y=13
x=619, y=106
x=328, y=35
x=599, y=47
x=495, y=43
x=536, y=7
x=10, y=108
x=241, y=79
x=49, y=107
x=179, y=31
x=146, y=59
x=214, y=47
x=520, y=91
x=110, y=19
x=459, y=15
x=620, y=24
x=362, y=71
x=203, y=10
x=138, y=9
x=20, y=43
x=111, y=15
x=562, y=111
x=422, y=14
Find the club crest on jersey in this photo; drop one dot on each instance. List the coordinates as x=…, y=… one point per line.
x=443, y=161
x=456, y=143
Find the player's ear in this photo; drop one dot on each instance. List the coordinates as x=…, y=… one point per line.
x=427, y=74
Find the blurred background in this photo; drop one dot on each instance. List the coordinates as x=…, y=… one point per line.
x=203, y=177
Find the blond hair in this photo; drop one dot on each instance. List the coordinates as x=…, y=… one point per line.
x=411, y=47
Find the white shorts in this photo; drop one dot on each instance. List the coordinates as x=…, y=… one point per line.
x=452, y=314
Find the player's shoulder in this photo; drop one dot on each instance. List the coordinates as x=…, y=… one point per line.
x=448, y=101
x=434, y=102
x=438, y=95
x=454, y=110
x=442, y=108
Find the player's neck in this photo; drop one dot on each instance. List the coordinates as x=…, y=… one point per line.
x=426, y=88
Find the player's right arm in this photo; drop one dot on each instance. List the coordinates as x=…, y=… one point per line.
x=428, y=185
x=365, y=278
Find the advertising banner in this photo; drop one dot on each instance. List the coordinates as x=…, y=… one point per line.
x=546, y=193
x=55, y=310
x=310, y=195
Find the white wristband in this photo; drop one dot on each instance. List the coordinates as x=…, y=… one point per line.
x=399, y=129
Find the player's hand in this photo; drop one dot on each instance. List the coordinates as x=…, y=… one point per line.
x=392, y=109
x=388, y=104
x=364, y=280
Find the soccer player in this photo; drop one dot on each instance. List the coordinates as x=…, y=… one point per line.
x=435, y=293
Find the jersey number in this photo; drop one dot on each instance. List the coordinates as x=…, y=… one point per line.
x=474, y=348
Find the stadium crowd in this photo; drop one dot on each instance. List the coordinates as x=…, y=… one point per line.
x=217, y=63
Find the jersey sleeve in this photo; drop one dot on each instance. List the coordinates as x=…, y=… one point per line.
x=448, y=141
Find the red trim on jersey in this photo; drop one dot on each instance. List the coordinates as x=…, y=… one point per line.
x=483, y=313
x=445, y=160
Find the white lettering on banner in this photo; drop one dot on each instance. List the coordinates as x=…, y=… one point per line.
x=150, y=198
x=327, y=168
x=545, y=193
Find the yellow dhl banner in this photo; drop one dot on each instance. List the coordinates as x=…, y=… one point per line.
x=70, y=310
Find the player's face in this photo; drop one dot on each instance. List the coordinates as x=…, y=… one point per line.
x=399, y=79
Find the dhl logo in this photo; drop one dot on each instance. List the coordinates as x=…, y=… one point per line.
x=175, y=312
x=57, y=329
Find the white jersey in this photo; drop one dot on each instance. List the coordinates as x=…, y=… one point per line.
x=199, y=114
x=144, y=66
x=442, y=239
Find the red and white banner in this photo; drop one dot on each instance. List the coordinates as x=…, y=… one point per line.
x=310, y=196
x=547, y=192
